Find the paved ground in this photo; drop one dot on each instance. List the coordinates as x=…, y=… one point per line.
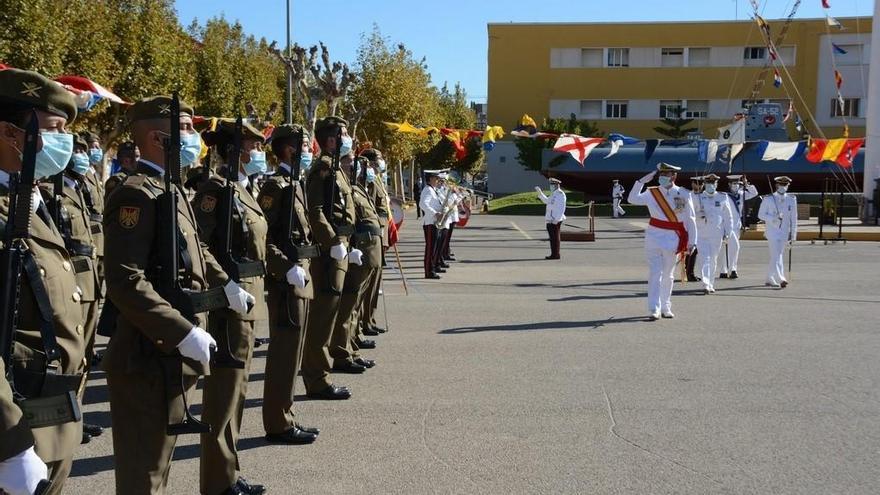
x=519, y=375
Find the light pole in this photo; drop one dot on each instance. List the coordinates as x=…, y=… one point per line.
x=289, y=103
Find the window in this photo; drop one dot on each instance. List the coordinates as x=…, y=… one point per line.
x=787, y=54
x=697, y=109
x=591, y=109
x=853, y=55
x=618, y=57
x=753, y=54
x=850, y=107
x=672, y=57
x=698, y=57
x=615, y=109
x=591, y=57
x=668, y=108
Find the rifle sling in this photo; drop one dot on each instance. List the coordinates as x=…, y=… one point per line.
x=47, y=325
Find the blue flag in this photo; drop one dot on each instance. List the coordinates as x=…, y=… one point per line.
x=837, y=49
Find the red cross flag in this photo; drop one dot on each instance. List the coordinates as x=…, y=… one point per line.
x=578, y=147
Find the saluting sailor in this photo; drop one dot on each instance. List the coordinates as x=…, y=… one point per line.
x=715, y=222
x=779, y=212
x=671, y=233
x=740, y=192
x=554, y=214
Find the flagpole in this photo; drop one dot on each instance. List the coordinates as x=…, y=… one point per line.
x=872, y=141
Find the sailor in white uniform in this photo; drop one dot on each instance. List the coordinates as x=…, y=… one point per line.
x=617, y=192
x=714, y=223
x=554, y=215
x=740, y=192
x=671, y=233
x=779, y=213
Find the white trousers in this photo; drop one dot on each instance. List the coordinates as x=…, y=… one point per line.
x=732, y=255
x=616, y=209
x=776, y=266
x=708, y=249
x=661, y=264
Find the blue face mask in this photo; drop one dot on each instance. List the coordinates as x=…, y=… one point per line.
x=80, y=163
x=782, y=189
x=55, y=155
x=664, y=180
x=710, y=188
x=257, y=165
x=190, y=149
x=305, y=160
x=381, y=164
x=371, y=175
x=96, y=155
x=345, y=146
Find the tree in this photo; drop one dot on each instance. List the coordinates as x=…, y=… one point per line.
x=531, y=151
x=454, y=111
x=676, y=127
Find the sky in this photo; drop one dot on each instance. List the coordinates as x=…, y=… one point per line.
x=452, y=36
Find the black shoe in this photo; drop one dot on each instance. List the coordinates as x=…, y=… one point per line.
x=293, y=436
x=378, y=329
x=450, y=258
x=443, y=265
x=433, y=276
x=246, y=488
x=551, y=257
x=783, y=284
x=692, y=278
x=366, y=344
x=733, y=274
x=439, y=270
x=332, y=392
x=86, y=438
x=93, y=430
x=260, y=341
x=370, y=332
x=366, y=363
x=349, y=367
x=308, y=429
x=723, y=275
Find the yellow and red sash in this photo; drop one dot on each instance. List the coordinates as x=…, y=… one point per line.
x=671, y=222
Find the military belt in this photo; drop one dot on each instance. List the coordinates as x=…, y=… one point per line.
x=344, y=230
x=208, y=300
x=250, y=269
x=77, y=248
x=368, y=229
x=307, y=251
x=51, y=411
x=44, y=383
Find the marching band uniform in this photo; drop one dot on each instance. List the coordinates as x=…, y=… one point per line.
x=736, y=198
x=431, y=207
x=670, y=234
x=715, y=221
x=779, y=212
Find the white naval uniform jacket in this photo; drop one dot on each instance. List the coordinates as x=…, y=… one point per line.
x=679, y=199
x=737, y=203
x=555, y=211
x=714, y=218
x=617, y=191
x=430, y=205
x=779, y=212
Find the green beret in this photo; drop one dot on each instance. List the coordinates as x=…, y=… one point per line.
x=330, y=123
x=287, y=130
x=79, y=140
x=226, y=130
x=155, y=107
x=29, y=89
x=127, y=148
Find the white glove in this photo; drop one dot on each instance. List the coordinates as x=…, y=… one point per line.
x=197, y=345
x=239, y=299
x=21, y=474
x=538, y=189
x=297, y=277
x=338, y=252
x=355, y=257
x=646, y=179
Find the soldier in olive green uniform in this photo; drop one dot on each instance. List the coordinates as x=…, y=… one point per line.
x=22, y=92
x=366, y=239
x=149, y=327
x=94, y=195
x=126, y=156
x=290, y=250
x=379, y=197
x=71, y=212
x=331, y=217
x=226, y=387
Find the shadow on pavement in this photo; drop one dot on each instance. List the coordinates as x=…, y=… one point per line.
x=547, y=325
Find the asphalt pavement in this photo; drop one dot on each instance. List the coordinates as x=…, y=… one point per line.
x=514, y=374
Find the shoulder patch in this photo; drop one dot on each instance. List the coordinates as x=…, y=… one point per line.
x=208, y=203
x=129, y=216
x=266, y=202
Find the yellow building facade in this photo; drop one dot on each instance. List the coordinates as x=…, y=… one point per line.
x=624, y=76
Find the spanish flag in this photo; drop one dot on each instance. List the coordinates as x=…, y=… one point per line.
x=838, y=79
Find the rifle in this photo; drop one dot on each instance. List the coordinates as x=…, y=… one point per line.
x=172, y=251
x=45, y=399
x=236, y=265
x=293, y=250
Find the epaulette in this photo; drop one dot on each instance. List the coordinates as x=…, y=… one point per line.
x=141, y=181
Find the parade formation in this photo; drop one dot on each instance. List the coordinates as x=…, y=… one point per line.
x=210, y=229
